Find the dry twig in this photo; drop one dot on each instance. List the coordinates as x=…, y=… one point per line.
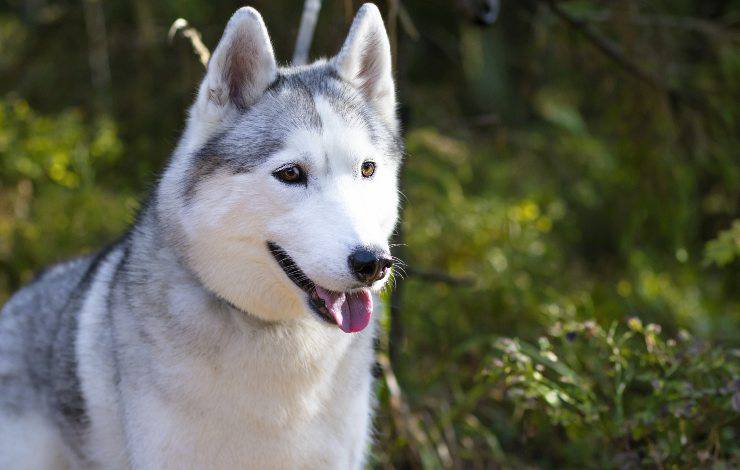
x=309, y=18
x=404, y=421
x=200, y=49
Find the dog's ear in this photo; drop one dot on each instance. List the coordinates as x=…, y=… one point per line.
x=365, y=62
x=242, y=65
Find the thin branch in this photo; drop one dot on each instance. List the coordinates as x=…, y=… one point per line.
x=391, y=25
x=615, y=53
x=309, y=18
x=404, y=421
x=432, y=275
x=682, y=23
x=98, y=51
x=347, y=12
x=609, y=49
x=407, y=23
x=397, y=14
x=200, y=49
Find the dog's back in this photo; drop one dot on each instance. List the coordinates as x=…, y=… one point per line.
x=40, y=399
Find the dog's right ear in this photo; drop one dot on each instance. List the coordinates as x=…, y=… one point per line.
x=241, y=68
x=365, y=62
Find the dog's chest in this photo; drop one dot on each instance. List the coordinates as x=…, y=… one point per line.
x=274, y=402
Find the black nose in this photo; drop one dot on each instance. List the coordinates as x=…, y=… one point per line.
x=368, y=266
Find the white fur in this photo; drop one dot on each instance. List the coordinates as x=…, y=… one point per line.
x=272, y=388
x=227, y=223
x=256, y=412
x=295, y=395
x=31, y=442
x=97, y=376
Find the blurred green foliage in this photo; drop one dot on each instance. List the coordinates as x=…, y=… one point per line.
x=51, y=206
x=648, y=400
x=552, y=197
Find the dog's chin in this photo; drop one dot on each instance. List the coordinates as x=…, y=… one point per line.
x=351, y=310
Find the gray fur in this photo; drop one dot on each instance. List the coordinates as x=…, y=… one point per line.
x=38, y=325
x=287, y=105
x=37, y=331
x=125, y=293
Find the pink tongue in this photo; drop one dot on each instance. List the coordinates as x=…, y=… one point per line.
x=352, y=311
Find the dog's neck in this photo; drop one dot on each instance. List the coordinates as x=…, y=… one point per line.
x=221, y=373
x=211, y=320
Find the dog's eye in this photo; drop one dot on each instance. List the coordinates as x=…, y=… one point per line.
x=367, y=169
x=291, y=174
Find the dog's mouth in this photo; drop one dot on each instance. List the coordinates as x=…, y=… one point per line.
x=350, y=311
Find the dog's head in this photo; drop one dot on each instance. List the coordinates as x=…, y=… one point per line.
x=283, y=189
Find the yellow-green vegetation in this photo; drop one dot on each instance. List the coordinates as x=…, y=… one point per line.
x=51, y=205
x=570, y=226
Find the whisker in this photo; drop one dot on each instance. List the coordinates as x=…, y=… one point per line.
x=403, y=196
x=399, y=262
x=400, y=272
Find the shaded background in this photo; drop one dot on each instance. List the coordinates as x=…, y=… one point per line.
x=570, y=226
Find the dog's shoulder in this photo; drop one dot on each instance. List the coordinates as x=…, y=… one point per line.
x=30, y=311
x=38, y=328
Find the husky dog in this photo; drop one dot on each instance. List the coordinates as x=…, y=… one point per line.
x=232, y=326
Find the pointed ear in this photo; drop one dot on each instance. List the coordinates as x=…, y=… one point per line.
x=365, y=62
x=242, y=66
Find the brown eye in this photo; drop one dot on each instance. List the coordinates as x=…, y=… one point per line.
x=367, y=169
x=291, y=174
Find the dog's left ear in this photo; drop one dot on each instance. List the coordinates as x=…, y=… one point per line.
x=365, y=62
x=241, y=68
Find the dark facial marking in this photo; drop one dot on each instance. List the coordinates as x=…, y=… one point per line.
x=287, y=104
x=296, y=275
x=219, y=152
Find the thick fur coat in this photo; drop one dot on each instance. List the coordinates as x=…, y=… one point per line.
x=227, y=328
